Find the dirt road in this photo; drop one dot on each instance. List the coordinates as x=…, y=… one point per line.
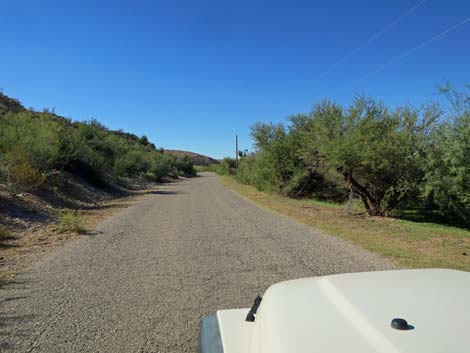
x=142, y=280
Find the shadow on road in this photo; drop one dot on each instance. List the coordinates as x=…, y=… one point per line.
x=105, y=207
x=11, y=325
x=166, y=192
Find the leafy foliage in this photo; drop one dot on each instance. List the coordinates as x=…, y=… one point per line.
x=447, y=167
x=34, y=144
x=185, y=165
x=18, y=171
x=256, y=170
x=391, y=159
x=225, y=167
x=71, y=221
x=378, y=152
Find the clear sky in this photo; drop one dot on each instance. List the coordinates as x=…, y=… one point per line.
x=190, y=74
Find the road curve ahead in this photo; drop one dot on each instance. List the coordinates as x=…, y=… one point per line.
x=144, y=278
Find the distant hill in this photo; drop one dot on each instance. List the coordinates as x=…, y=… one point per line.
x=198, y=159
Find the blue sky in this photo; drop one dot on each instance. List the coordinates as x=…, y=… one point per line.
x=191, y=74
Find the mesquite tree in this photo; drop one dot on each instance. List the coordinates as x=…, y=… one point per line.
x=378, y=152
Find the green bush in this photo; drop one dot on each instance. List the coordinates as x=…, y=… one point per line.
x=71, y=221
x=149, y=176
x=379, y=153
x=33, y=133
x=160, y=165
x=185, y=166
x=133, y=163
x=5, y=233
x=18, y=172
x=257, y=170
x=34, y=144
x=400, y=159
x=80, y=149
x=447, y=179
x=227, y=166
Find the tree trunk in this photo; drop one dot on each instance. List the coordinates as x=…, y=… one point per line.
x=371, y=204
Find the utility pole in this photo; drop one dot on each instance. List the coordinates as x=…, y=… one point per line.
x=236, y=149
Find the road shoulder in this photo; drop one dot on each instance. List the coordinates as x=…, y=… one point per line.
x=30, y=244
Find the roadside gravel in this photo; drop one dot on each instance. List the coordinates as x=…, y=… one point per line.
x=142, y=280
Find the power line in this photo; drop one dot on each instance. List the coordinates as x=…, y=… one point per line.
x=411, y=51
x=374, y=37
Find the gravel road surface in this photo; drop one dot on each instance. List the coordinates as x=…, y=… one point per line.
x=142, y=280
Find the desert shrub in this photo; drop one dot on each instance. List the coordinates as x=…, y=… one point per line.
x=447, y=179
x=33, y=144
x=185, y=166
x=277, y=151
x=18, y=172
x=149, y=176
x=83, y=152
x=71, y=221
x=256, y=170
x=5, y=233
x=34, y=134
x=376, y=153
x=160, y=165
x=227, y=166
x=132, y=163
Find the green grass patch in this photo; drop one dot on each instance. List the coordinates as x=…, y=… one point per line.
x=322, y=203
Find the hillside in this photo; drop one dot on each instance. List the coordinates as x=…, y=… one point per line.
x=46, y=142
x=198, y=159
x=9, y=104
x=52, y=169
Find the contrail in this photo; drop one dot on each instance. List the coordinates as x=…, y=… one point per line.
x=411, y=51
x=374, y=37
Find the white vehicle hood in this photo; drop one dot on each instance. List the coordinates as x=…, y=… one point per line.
x=352, y=313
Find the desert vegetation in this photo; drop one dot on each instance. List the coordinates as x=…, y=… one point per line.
x=59, y=177
x=71, y=221
x=405, y=162
x=34, y=144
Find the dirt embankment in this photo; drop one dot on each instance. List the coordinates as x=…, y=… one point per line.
x=30, y=220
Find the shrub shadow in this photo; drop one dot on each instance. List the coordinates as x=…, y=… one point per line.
x=10, y=322
x=165, y=192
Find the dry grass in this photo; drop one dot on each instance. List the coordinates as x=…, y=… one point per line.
x=71, y=221
x=5, y=233
x=27, y=245
x=409, y=244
